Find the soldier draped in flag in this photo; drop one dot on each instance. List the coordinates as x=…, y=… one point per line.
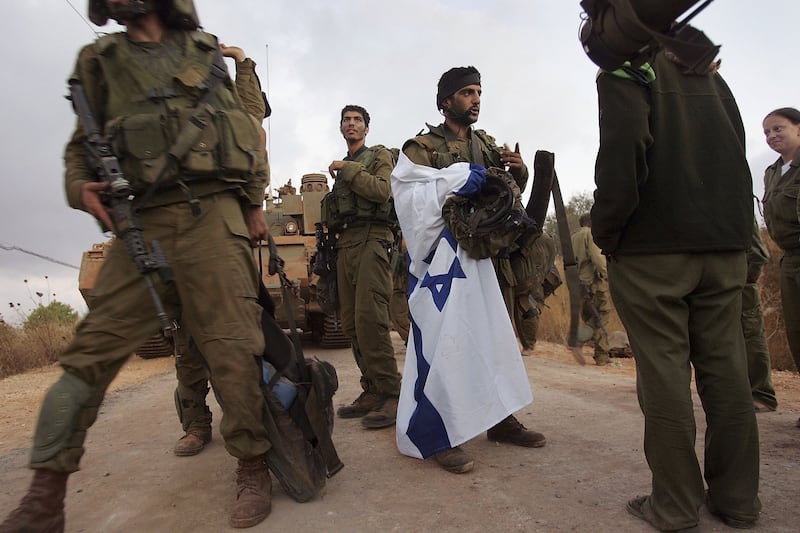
x=463, y=371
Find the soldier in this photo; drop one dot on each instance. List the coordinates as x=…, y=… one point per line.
x=190, y=368
x=137, y=82
x=673, y=211
x=759, y=367
x=595, y=307
x=398, y=305
x=529, y=294
x=459, y=99
x=359, y=209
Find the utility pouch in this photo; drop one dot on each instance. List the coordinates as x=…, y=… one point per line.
x=199, y=159
x=240, y=143
x=330, y=212
x=140, y=143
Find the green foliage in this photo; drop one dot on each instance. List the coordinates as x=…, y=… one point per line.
x=576, y=206
x=55, y=311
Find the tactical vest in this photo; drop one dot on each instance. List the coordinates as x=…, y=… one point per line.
x=342, y=207
x=144, y=114
x=444, y=152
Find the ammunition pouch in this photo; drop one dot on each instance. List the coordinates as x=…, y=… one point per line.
x=491, y=221
x=227, y=146
x=342, y=208
x=60, y=412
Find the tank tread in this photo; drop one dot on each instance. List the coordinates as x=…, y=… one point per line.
x=332, y=335
x=155, y=346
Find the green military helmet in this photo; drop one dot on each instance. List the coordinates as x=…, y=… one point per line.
x=177, y=14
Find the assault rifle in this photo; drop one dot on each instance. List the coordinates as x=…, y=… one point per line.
x=119, y=197
x=325, y=268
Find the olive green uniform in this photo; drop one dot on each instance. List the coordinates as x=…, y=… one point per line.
x=529, y=274
x=208, y=251
x=363, y=271
x=782, y=216
x=596, y=305
x=398, y=305
x=759, y=367
x=673, y=210
x=190, y=367
x=440, y=148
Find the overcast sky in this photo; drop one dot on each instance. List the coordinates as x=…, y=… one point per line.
x=314, y=56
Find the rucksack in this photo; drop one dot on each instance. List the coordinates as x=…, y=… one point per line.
x=302, y=455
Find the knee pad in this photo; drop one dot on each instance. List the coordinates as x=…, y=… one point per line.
x=58, y=416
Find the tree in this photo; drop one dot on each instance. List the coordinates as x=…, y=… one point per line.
x=576, y=206
x=55, y=311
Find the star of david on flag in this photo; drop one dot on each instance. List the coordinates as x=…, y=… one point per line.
x=463, y=371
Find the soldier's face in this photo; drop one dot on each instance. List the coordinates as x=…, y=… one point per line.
x=782, y=135
x=464, y=105
x=353, y=127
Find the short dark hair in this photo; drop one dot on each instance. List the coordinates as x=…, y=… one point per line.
x=789, y=113
x=357, y=109
x=585, y=220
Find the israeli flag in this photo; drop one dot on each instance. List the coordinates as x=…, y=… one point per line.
x=463, y=371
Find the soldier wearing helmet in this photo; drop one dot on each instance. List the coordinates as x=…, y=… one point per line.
x=143, y=86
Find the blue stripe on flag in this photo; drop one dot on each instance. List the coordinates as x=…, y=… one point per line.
x=475, y=181
x=425, y=427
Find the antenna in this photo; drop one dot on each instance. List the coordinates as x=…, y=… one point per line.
x=269, y=132
x=95, y=32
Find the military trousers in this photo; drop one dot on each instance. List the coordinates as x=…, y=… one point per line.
x=790, y=299
x=759, y=367
x=598, y=321
x=213, y=291
x=191, y=369
x=683, y=311
x=364, y=280
x=527, y=327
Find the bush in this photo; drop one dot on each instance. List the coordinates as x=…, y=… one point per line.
x=55, y=312
x=44, y=335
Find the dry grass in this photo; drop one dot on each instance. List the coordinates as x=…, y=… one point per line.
x=23, y=349
x=554, y=323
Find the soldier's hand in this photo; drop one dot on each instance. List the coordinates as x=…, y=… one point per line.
x=233, y=51
x=256, y=224
x=511, y=159
x=90, y=198
x=336, y=166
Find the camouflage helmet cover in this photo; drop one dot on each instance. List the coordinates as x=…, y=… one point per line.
x=177, y=14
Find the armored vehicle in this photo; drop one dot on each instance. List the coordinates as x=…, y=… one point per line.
x=292, y=216
x=92, y=260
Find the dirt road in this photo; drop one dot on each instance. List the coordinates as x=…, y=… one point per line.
x=592, y=464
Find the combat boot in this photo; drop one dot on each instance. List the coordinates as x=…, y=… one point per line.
x=192, y=443
x=454, y=460
x=367, y=401
x=383, y=416
x=253, y=493
x=601, y=358
x=510, y=430
x=42, y=508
